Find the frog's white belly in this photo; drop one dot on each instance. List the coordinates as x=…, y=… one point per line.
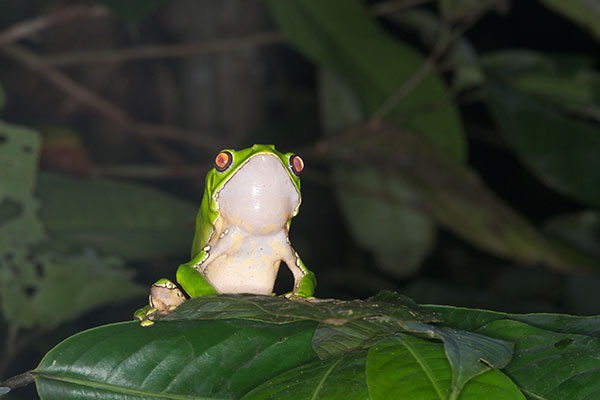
x=249, y=263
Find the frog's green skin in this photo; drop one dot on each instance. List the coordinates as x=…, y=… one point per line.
x=242, y=231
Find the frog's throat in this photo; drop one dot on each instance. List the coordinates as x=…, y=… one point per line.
x=217, y=191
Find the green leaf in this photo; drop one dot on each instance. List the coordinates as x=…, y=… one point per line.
x=173, y=359
x=19, y=225
x=562, y=152
x=132, y=11
x=568, y=82
x=341, y=378
x=134, y=221
x=470, y=354
x=398, y=234
x=19, y=150
x=472, y=320
x=454, y=195
x=585, y=13
x=412, y=368
x=342, y=37
x=53, y=288
x=581, y=230
x=279, y=310
x=550, y=365
x=343, y=325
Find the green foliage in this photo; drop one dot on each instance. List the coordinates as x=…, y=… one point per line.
x=44, y=289
x=393, y=188
x=562, y=151
x=555, y=356
x=342, y=37
x=257, y=347
x=583, y=12
x=133, y=221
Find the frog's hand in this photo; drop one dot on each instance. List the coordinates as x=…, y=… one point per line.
x=192, y=280
x=304, y=280
x=165, y=296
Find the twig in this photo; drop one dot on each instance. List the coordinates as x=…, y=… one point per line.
x=18, y=381
x=177, y=50
x=417, y=77
x=206, y=47
x=29, y=27
x=150, y=171
x=103, y=107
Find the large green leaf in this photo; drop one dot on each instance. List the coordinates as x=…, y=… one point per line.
x=412, y=368
x=342, y=378
x=264, y=347
x=562, y=152
x=583, y=12
x=342, y=37
x=133, y=221
x=550, y=365
x=469, y=354
x=172, y=360
x=555, y=356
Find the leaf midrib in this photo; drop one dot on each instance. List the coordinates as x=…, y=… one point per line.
x=120, y=389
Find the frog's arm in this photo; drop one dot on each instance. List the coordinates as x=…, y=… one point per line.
x=304, y=280
x=192, y=280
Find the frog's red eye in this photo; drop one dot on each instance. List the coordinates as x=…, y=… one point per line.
x=296, y=164
x=223, y=161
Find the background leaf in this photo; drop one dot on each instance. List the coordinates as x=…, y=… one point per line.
x=396, y=232
x=342, y=37
x=131, y=220
x=60, y=287
x=561, y=152
x=583, y=12
x=581, y=230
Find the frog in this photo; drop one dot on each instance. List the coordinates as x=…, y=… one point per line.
x=241, y=232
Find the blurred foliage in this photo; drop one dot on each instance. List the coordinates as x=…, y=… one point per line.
x=390, y=216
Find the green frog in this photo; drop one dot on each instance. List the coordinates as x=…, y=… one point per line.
x=241, y=236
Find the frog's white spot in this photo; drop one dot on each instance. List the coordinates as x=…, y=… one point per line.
x=206, y=249
x=225, y=233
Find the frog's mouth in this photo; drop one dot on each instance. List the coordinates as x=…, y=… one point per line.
x=260, y=196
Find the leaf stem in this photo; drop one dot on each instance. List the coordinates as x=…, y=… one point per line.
x=9, y=347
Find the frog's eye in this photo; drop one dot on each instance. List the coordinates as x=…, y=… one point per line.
x=223, y=161
x=296, y=164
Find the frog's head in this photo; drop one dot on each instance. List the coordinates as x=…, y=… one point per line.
x=257, y=189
